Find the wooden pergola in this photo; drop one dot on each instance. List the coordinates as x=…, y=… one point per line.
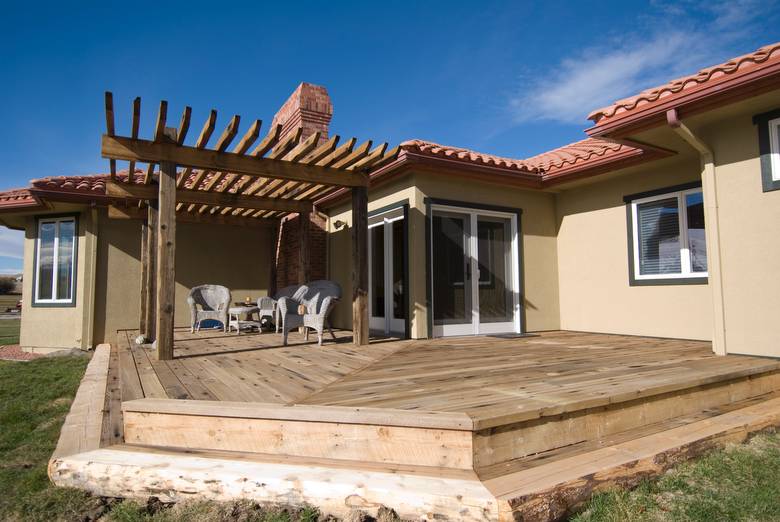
x=281, y=175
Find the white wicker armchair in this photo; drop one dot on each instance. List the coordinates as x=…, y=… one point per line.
x=269, y=306
x=208, y=302
x=318, y=298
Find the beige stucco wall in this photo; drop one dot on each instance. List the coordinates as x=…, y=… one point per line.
x=539, y=262
x=108, y=276
x=239, y=258
x=44, y=328
x=750, y=240
x=595, y=294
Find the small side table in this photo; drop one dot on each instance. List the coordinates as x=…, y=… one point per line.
x=235, y=321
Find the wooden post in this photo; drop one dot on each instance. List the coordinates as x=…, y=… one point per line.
x=166, y=259
x=150, y=273
x=274, y=258
x=144, y=277
x=304, y=265
x=360, y=266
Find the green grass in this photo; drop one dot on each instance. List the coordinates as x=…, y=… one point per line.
x=34, y=398
x=741, y=482
x=9, y=331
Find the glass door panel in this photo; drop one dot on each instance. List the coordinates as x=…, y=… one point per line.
x=398, y=276
x=386, y=275
x=494, y=258
x=482, y=244
x=451, y=274
x=376, y=244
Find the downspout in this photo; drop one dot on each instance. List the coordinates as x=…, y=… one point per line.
x=712, y=229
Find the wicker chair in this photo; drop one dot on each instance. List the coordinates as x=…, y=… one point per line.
x=209, y=302
x=318, y=298
x=269, y=306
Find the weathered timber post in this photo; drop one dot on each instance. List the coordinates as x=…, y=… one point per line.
x=149, y=274
x=360, y=265
x=144, y=277
x=166, y=257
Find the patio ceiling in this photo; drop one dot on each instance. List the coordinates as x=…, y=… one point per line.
x=268, y=179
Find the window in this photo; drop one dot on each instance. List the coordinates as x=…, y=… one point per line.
x=774, y=148
x=769, y=147
x=668, y=242
x=55, y=261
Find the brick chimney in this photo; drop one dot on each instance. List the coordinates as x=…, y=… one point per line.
x=309, y=107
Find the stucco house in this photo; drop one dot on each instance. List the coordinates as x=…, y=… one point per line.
x=542, y=328
x=661, y=222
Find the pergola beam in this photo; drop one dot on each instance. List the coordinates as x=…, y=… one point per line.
x=128, y=149
x=200, y=197
x=118, y=212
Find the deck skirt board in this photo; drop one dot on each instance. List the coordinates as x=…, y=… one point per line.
x=340, y=441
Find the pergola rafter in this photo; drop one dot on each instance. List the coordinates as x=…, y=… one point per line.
x=283, y=174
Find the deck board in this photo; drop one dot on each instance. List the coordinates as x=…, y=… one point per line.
x=484, y=377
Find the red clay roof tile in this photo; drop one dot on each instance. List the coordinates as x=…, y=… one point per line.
x=428, y=148
x=555, y=162
x=709, y=77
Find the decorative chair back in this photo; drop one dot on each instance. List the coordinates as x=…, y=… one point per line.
x=211, y=297
x=314, y=293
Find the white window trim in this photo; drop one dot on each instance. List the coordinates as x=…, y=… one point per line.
x=685, y=254
x=55, y=262
x=774, y=147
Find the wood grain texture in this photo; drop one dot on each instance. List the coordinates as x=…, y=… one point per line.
x=116, y=147
x=82, y=430
x=166, y=261
x=360, y=266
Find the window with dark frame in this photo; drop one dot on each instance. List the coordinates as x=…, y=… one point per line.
x=768, y=124
x=668, y=240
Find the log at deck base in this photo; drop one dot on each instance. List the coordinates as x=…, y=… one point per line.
x=360, y=266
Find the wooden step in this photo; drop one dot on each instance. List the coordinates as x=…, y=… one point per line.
x=542, y=492
x=406, y=437
x=375, y=435
x=500, y=445
x=551, y=490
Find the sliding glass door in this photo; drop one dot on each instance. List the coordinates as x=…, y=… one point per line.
x=474, y=271
x=386, y=274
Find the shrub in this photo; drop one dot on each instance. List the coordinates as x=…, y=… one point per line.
x=7, y=285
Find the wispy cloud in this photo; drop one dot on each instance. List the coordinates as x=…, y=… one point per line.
x=679, y=40
x=11, y=243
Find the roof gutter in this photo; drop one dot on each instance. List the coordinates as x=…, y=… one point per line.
x=712, y=230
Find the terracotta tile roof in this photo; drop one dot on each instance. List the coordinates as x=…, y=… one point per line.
x=578, y=155
x=17, y=198
x=709, y=78
x=86, y=184
x=428, y=148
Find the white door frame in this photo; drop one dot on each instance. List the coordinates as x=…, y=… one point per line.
x=471, y=244
x=387, y=324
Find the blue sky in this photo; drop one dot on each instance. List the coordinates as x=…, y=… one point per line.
x=509, y=78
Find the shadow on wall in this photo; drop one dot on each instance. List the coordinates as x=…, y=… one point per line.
x=235, y=257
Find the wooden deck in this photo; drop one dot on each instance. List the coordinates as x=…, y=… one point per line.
x=493, y=380
x=477, y=428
